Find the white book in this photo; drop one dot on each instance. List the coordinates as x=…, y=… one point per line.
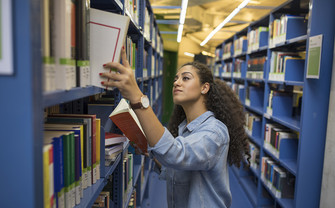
x=107, y=36
x=65, y=65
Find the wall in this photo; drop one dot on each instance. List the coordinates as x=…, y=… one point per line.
x=328, y=178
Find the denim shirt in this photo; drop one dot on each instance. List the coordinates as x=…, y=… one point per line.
x=194, y=164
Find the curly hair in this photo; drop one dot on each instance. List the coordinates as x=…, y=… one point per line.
x=225, y=105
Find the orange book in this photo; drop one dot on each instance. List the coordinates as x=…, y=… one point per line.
x=126, y=120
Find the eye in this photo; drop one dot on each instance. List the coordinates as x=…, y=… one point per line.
x=186, y=78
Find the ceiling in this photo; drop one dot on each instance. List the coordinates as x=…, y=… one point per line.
x=202, y=17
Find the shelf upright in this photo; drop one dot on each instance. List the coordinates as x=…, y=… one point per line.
x=21, y=111
x=315, y=108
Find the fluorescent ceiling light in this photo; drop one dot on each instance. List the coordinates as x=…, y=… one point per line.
x=189, y=54
x=225, y=21
x=182, y=19
x=207, y=54
x=180, y=33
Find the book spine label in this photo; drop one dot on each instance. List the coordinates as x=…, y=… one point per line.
x=85, y=178
x=77, y=192
x=73, y=194
x=81, y=188
x=98, y=170
x=89, y=176
x=94, y=173
x=61, y=200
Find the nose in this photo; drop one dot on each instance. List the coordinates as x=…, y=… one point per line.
x=176, y=82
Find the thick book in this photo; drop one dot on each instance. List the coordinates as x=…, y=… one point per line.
x=107, y=36
x=126, y=120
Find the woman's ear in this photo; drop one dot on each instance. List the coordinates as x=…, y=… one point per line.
x=205, y=88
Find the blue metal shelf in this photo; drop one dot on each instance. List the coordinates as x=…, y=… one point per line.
x=146, y=178
x=257, y=140
x=250, y=189
x=255, y=80
x=258, y=110
x=63, y=96
x=286, y=82
x=298, y=40
x=292, y=123
x=110, y=169
x=289, y=164
x=91, y=193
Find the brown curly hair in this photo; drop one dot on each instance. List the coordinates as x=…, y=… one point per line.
x=225, y=105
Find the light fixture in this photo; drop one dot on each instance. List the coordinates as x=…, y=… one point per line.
x=189, y=54
x=207, y=54
x=225, y=21
x=182, y=19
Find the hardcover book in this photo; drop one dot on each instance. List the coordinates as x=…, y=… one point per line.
x=126, y=120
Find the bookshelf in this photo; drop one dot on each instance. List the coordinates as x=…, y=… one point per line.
x=300, y=157
x=24, y=101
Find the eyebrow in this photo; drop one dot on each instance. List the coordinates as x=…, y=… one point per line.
x=184, y=74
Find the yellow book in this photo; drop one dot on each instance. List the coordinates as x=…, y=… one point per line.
x=46, y=175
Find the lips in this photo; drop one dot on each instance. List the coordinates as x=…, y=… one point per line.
x=176, y=91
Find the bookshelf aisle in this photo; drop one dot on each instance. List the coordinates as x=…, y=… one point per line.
x=286, y=113
x=27, y=102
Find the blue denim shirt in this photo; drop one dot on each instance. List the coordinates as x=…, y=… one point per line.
x=195, y=163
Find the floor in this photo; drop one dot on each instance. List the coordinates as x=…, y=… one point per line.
x=157, y=193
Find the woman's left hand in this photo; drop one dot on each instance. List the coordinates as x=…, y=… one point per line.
x=124, y=80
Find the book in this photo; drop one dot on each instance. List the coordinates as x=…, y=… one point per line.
x=112, y=138
x=107, y=36
x=126, y=120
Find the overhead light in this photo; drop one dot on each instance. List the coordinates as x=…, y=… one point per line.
x=189, y=54
x=207, y=54
x=180, y=33
x=225, y=21
x=182, y=19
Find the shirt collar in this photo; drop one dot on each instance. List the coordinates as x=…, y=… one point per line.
x=196, y=122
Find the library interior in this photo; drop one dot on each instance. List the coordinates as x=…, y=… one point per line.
x=79, y=131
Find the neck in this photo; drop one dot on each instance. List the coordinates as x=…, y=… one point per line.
x=194, y=110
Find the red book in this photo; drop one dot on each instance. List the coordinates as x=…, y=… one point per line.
x=126, y=120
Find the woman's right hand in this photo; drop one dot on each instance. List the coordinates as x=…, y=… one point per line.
x=124, y=80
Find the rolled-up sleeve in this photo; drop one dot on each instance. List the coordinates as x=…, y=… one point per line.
x=197, y=151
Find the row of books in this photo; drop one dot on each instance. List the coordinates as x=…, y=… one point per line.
x=227, y=50
x=227, y=69
x=238, y=88
x=254, y=156
x=132, y=7
x=255, y=68
x=285, y=103
x=277, y=139
x=74, y=141
x=76, y=41
x=278, y=65
x=103, y=200
x=277, y=179
x=250, y=119
x=256, y=38
x=240, y=45
x=131, y=51
x=278, y=28
x=238, y=65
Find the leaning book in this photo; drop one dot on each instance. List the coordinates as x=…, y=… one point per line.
x=126, y=120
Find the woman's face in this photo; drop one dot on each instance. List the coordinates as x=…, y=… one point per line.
x=186, y=86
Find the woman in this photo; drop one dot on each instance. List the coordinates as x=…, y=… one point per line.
x=205, y=134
